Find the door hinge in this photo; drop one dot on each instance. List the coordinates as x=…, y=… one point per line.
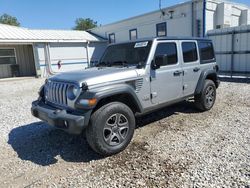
x=153, y=95
x=184, y=86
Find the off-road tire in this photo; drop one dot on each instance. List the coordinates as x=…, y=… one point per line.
x=95, y=132
x=201, y=100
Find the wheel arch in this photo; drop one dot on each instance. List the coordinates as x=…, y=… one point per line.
x=124, y=94
x=208, y=74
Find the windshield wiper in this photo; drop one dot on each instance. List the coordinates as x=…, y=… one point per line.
x=122, y=63
x=102, y=64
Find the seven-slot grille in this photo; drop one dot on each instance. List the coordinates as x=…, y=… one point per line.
x=56, y=92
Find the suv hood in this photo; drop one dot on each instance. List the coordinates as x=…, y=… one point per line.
x=95, y=75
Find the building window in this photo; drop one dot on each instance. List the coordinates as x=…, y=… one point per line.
x=7, y=56
x=206, y=52
x=133, y=34
x=161, y=29
x=189, y=51
x=112, y=38
x=218, y=26
x=168, y=49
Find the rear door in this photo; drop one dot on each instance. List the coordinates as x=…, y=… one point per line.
x=191, y=66
x=166, y=82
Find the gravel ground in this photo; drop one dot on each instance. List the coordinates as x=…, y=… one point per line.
x=174, y=147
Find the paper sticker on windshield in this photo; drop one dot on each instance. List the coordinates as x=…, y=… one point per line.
x=141, y=44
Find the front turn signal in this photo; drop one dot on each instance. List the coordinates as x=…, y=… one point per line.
x=92, y=102
x=88, y=102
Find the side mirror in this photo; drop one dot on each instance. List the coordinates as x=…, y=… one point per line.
x=159, y=61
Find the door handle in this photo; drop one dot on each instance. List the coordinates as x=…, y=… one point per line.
x=178, y=73
x=196, y=69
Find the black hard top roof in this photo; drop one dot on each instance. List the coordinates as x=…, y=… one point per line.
x=163, y=38
x=183, y=38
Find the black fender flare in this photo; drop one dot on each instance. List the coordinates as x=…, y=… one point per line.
x=113, y=90
x=204, y=75
x=109, y=91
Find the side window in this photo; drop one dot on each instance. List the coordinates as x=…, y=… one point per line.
x=189, y=51
x=168, y=49
x=206, y=52
x=112, y=38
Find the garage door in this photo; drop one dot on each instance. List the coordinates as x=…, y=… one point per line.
x=68, y=56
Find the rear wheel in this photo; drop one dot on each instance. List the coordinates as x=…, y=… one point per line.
x=111, y=128
x=206, y=99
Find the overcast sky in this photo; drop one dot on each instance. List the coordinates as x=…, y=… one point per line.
x=61, y=14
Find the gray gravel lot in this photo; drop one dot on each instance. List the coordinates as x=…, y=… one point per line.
x=173, y=147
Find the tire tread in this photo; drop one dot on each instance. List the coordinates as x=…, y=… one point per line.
x=92, y=134
x=199, y=99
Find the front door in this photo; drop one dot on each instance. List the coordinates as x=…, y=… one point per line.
x=166, y=82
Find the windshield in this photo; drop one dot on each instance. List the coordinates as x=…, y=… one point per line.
x=128, y=54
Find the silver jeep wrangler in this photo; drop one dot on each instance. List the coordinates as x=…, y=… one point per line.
x=131, y=78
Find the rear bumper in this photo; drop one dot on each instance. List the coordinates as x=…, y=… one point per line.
x=58, y=118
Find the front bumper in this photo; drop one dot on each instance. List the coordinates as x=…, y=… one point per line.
x=58, y=118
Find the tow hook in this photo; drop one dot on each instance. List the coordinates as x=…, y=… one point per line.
x=57, y=111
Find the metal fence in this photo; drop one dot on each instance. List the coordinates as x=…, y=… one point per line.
x=232, y=47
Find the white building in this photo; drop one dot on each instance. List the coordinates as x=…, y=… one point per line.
x=27, y=52
x=192, y=18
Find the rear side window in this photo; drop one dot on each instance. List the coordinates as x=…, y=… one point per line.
x=206, y=52
x=189, y=50
x=168, y=49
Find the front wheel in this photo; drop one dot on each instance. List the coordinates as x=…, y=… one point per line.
x=111, y=128
x=206, y=99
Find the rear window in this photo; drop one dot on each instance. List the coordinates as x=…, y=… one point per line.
x=189, y=52
x=206, y=52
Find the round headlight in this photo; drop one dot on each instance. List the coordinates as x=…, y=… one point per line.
x=72, y=92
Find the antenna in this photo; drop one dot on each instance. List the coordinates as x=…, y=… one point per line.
x=162, y=12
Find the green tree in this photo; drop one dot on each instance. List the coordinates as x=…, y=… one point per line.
x=10, y=20
x=84, y=24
